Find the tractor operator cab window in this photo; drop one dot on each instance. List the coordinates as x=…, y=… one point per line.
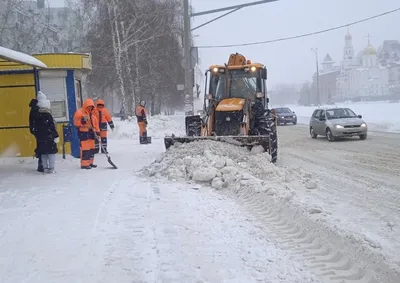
x=213, y=84
x=244, y=84
x=220, y=90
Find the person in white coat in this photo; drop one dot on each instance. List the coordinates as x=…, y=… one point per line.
x=46, y=134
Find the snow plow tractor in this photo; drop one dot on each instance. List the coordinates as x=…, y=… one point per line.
x=235, y=108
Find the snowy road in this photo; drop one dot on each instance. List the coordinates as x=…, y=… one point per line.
x=359, y=185
x=111, y=226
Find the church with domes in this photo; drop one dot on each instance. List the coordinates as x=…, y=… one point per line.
x=361, y=77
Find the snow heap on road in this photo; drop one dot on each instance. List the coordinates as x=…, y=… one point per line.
x=158, y=127
x=224, y=165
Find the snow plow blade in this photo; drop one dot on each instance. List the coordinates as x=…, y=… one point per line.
x=235, y=140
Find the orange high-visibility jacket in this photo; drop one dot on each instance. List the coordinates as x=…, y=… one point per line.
x=103, y=115
x=86, y=128
x=141, y=113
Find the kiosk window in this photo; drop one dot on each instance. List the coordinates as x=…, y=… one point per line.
x=78, y=94
x=54, y=89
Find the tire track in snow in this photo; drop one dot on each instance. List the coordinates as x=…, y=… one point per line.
x=330, y=257
x=359, y=185
x=360, y=179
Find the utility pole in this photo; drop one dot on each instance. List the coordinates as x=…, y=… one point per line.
x=188, y=89
x=317, y=65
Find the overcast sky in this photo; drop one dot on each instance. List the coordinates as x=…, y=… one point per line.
x=292, y=60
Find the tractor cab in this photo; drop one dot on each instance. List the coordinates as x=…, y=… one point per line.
x=235, y=108
x=236, y=80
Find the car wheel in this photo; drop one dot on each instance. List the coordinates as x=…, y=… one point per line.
x=312, y=133
x=363, y=137
x=329, y=135
x=295, y=122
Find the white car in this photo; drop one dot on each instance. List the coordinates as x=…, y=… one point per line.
x=334, y=123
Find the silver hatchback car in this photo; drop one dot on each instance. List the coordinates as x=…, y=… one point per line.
x=337, y=123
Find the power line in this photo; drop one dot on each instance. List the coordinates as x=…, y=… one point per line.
x=300, y=36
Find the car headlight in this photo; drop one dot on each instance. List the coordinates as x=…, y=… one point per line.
x=363, y=125
x=339, y=127
x=294, y=117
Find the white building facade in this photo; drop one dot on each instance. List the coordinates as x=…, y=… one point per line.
x=361, y=77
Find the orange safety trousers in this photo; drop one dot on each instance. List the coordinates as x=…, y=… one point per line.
x=142, y=129
x=103, y=140
x=87, y=152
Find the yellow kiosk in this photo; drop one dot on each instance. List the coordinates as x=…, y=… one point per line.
x=59, y=77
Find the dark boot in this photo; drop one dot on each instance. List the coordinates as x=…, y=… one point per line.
x=93, y=165
x=86, y=167
x=145, y=137
x=40, y=165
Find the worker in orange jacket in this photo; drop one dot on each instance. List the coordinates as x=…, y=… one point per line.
x=104, y=117
x=141, y=115
x=88, y=128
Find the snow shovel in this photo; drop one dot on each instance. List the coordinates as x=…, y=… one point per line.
x=105, y=152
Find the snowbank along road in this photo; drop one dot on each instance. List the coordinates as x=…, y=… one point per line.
x=204, y=212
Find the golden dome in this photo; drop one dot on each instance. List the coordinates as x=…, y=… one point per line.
x=369, y=50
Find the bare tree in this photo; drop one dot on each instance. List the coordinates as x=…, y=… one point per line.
x=137, y=51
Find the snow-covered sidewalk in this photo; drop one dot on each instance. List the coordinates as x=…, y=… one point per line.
x=108, y=225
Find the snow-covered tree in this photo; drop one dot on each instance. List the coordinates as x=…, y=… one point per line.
x=137, y=51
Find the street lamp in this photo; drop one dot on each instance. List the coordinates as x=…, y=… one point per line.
x=316, y=60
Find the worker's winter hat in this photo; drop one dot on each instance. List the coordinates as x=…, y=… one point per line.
x=41, y=96
x=143, y=103
x=44, y=103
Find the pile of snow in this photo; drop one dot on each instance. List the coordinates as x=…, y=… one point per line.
x=224, y=165
x=158, y=127
x=380, y=116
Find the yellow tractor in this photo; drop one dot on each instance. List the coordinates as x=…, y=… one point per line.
x=235, y=108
